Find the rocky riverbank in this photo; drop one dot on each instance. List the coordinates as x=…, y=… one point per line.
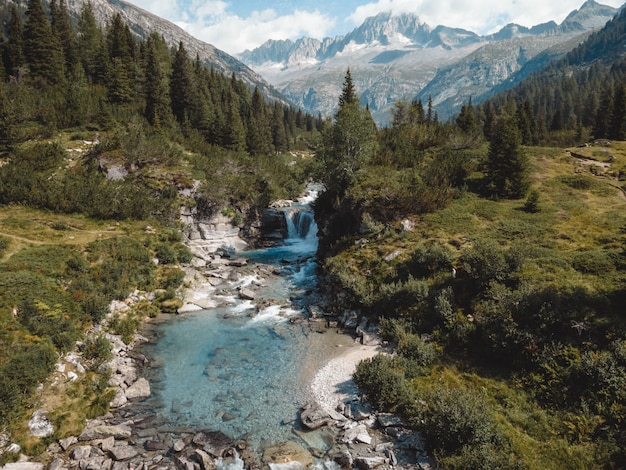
x=336, y=426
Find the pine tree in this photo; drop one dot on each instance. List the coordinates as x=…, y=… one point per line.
x=13, y=51
x=91, y=48
x=235, y=133
x=466, y=119
x=62, y=29
x=157, y=110
x=507, y=164
x=348, y=145
x=182, y=86
x=42, y=48
x=120, y=68
x=259, y=135
x=601, y=127
x=617, y=129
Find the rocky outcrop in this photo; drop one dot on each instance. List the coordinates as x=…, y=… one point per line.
x=206, y=235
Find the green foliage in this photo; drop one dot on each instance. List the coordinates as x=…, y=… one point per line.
x=171, y=278
x=487, y=261
x=125, y=326
x=4, y=245
x=454, y=420
x=532, y=202
x=383, y=382
x=418, y=350
x=97, y=350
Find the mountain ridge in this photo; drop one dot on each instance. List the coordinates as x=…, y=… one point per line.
x=396, y=57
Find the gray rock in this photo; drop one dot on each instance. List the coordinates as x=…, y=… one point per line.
x=179, y=445
x=206, y=461
x=107, y=444
x=357, y=434
x=23, y=466
x=39, y=425
x=103, y=431
x=68, y=442
x=343, y=459
x=313, y=416
x=247, y=294
x=387, y=420
x=369, y=463
x=358, y=412
x=119, y=400
x=81, y=452
x=155, y=446
x=215, y=443
x=119, y=466
x=123, y=452
x=57, y=464
x=139, y=390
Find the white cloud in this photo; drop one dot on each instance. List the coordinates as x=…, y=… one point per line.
x=235, y=34
x=481, y=16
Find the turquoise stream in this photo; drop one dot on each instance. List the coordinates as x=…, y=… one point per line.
x=241, y=372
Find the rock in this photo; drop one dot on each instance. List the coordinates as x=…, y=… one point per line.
x=357, y=434
x=81, y=452
x=313, y=416
x=206, y=462
x=14, y=449
x=369, y=463
x=358, y=412
x=179, y=445
x=393, y=255
x=119, y=466
x=139, y=390
x=23, y=466
x=343, y=459
x=288, y=452
x=39, y=425
x=215, y=443
x=107, y=444
x=247, y=294
x=387, y=420
x=155, y=446
x=57, y=464
x=185, y=463
x=68, y=442
x=370, y=339
x=119, y=400
x=103, y=431
x=123, y=452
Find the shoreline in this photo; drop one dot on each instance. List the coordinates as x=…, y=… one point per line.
x=332, y=384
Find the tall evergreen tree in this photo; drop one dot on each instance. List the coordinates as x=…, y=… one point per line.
x=91, y=49
x=349, y=143
x=42, y=48
x=466, y=119
x=235, y=132
x=120, y=68
x=507, y=164
x=259, y=133
x=617, y=129
x=62, y=29
x=158, y=109
x=13, y=51
x=602, y=125
x=182, y=86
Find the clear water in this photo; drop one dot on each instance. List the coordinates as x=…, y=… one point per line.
x=241, y=372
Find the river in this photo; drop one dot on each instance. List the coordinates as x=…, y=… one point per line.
x=245, y=367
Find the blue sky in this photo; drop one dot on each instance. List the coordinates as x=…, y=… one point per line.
x=237, y=25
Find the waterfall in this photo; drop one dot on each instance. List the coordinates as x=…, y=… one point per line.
x=301, y=229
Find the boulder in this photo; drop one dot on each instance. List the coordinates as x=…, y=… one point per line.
x=39, y=424
x=313, y=416
x=68, y=442
x=357, y=434
x=23, y=466
x=179, y=445
x=247, y=294
x=215, y=443
x=369, y=463
x=139, y=390
x=119, y=400
x=123, y=452
x=107, y=444
x=103, y=431
x=155, y=446
x=57, y=464
x=387, y=420
x=81, y=452
x=206, y=461
x=288, y=452
x=343, y=459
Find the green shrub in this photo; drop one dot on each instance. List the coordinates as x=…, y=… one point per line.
x=97, y=349
x=414, y=347
x=382, y=380
x=453, y=419
x=165, y=253
x=597, y=262
x=427, y=260
x=171, y=278
x=126, y=327
x=183, y=254
x=4, y=245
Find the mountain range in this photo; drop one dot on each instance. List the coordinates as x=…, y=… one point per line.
x=391, y=57
x=395, y=57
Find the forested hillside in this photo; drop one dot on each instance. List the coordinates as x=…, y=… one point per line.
x=496, y=269
x=102, y=140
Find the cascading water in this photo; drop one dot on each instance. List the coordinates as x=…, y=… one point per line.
x=242, y=368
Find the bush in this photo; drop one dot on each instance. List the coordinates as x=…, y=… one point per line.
x=165, y=253
x=171, y=278
x=382, y=380
x=126, y=327
x=454, y=419
x=427, y=260
x=414, y=347
x=4, y=245
x=97, y=349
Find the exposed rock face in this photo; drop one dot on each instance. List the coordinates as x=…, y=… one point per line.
x=208, y=235
x=39, y=425
x=397, y=56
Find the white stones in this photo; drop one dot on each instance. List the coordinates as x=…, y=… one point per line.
x=39, y=424
x=139, y=390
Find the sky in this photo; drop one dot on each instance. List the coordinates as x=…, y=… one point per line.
x=236, y=25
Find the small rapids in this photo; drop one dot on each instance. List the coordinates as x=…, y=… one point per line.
x=245, y=367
